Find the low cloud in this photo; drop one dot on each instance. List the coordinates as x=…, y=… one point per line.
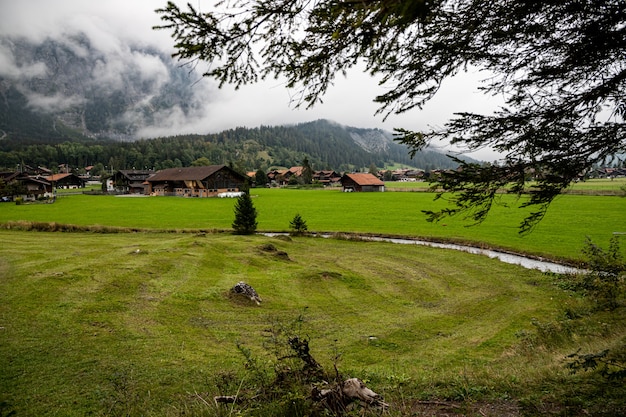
x=52, y=103
x=120, y=33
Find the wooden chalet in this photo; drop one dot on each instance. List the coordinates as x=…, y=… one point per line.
x=361, y=182
x=207, y=181
x=327, y=177
x=131, y=181
x=36, y=187
x=65, y=181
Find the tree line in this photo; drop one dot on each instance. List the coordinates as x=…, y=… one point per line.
x=245, y=149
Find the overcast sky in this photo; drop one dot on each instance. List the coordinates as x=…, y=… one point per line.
x=111, y=25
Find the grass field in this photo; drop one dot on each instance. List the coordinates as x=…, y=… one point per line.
x=128, y=324
x=561, y=234
x=593, y=185
x=142, y=324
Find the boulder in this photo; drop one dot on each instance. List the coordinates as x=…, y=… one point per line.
x=247, y=291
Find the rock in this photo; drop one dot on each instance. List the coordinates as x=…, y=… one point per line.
x=246, y=290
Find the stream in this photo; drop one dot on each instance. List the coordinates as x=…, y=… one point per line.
x=529, y=263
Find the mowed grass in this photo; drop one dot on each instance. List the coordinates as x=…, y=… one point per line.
x=561, y=234
x=143, y=323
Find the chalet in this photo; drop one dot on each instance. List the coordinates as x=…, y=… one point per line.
x=65, y=181
x=18, y=184
x=36, y=187
x=131, y=181
x=207, y=181
x=361, y=182
x=326, y=177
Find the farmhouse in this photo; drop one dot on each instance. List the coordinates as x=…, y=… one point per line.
x=282, y=176
x=65, y=181
x=361, y=182
x=326, y=177
x=207, y=181
x=131, y=181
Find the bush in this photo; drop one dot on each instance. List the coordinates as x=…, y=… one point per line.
x=607, y=270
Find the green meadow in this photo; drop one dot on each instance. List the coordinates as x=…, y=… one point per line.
x=561, y=235
x=142, y=323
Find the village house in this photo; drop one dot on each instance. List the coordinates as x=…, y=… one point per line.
x=206, y=181
x=361, y=182
x=282, y=176
x=36, y=188
x=65, y=181
x=327, y=177
x=131, y=181
x=19, y=184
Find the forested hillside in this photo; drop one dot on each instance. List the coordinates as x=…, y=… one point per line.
x=70, y=101
x=327, y=145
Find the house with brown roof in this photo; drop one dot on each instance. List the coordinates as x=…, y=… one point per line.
x=361, y=182
x=326, y=177
x=131, y=181
x=206, y=181
x=65, y=181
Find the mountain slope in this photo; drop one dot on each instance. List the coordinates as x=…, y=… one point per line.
x=325, y=144
x=73, y=100
x=70, y=88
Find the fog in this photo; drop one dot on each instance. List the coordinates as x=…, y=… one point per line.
x=117, y=29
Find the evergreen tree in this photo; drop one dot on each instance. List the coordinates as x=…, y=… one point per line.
x=307, y=171
x=373, y=169
x=260, y=178
x=298, y=225
x=245, y=215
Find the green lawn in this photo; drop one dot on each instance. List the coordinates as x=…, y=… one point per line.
x=561, y=234
x=142, y=324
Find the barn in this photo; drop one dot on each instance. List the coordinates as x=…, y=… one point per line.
x=206, y=181
x=361, y=182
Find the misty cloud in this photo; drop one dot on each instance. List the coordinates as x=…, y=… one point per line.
x=11, y=70
x=131, y=55
x=52, y=103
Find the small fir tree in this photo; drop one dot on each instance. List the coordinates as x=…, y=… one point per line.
x=245, y=215
x=298, y=225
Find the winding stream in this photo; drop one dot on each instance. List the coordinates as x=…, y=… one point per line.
x=529, y=263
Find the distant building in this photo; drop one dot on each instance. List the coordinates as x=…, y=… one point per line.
x=131, y=181
x=361, y=182
x=65, y=181
x=207, y=181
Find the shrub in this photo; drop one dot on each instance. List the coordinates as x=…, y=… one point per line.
x=607, y=270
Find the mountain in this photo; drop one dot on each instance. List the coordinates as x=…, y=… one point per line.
x=80, y=101
x=327, y=145
x=70, y=88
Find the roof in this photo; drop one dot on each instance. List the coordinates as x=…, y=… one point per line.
x=187, y=174
x=136, y=174
x=58, y=177
x=364, y=179
x=34, y=180
x=297, y=171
